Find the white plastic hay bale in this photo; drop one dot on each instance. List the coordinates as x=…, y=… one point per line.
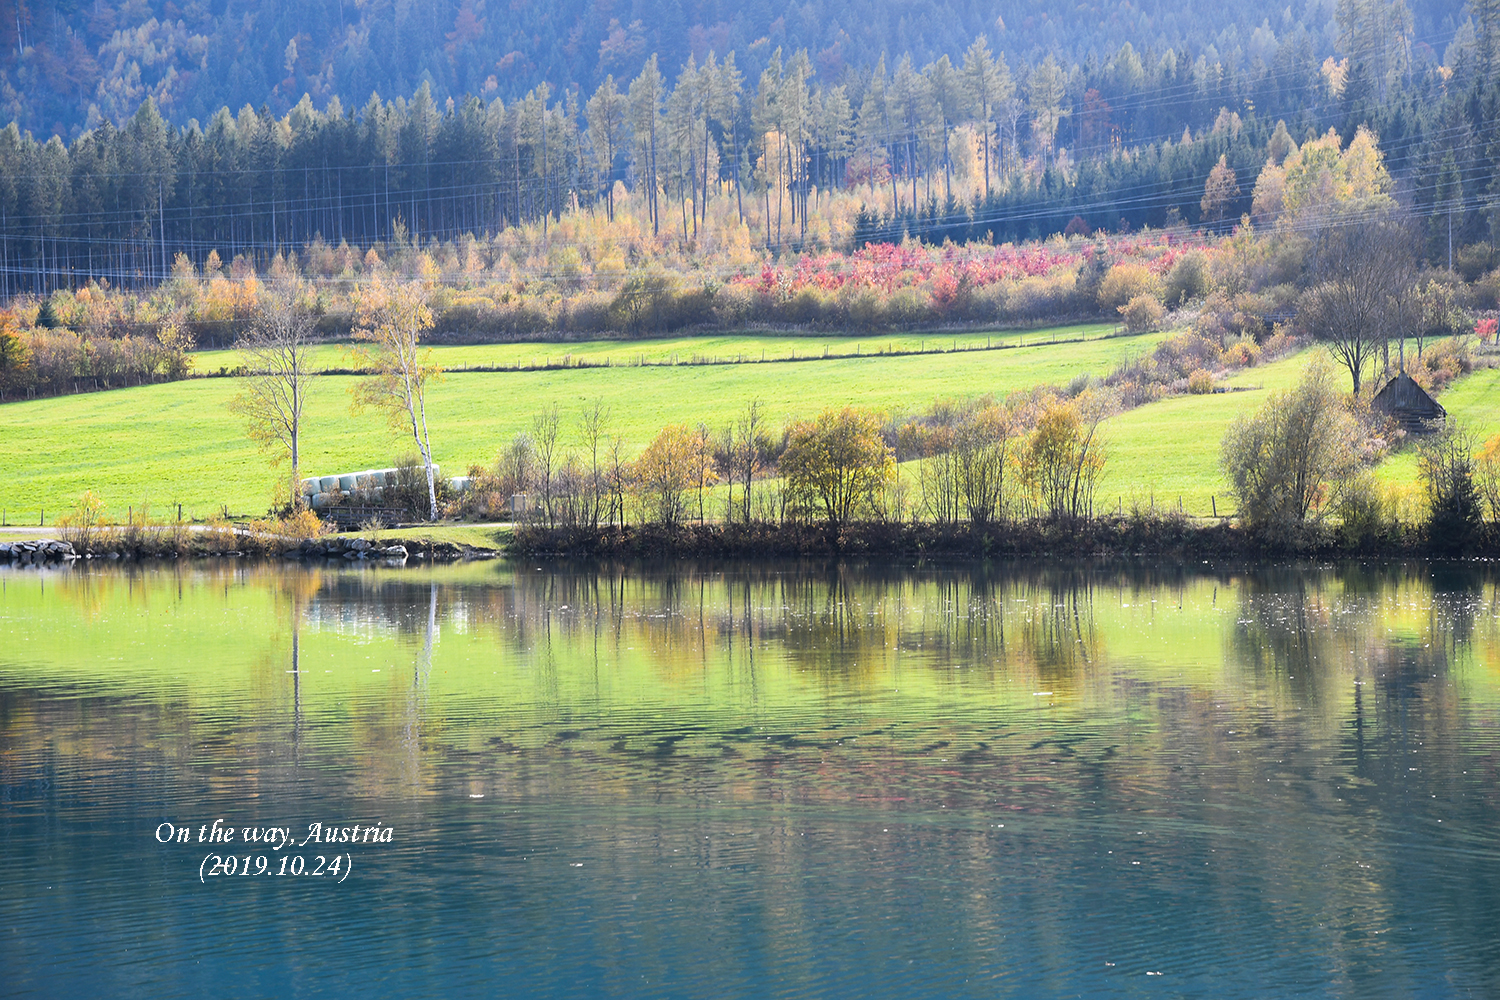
x=307, y=487
x=377, y=479
x=459, y=484
x=328, y=484
x=348, y=483
x=319, y=501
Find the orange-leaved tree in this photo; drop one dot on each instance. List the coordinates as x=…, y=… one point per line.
x=15, y=358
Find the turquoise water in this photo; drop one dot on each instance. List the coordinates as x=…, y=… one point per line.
x=774, y=781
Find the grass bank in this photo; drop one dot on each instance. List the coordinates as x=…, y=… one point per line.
x=482, y=537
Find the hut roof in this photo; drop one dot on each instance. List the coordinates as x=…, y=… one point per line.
x=1408, y=402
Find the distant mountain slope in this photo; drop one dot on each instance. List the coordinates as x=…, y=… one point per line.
x=68, y=64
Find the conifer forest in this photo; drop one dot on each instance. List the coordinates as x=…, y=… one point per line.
x=144, y=137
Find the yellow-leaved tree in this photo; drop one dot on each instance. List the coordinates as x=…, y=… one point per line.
x=672, y=464
x=391, y=319
x=837, y=465
x=1323, y=178
x=1062, y=461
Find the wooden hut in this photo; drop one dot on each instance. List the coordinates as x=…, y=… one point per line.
x=1409, y=405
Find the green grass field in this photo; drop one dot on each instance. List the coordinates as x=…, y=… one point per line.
x=684, y=350
x=1473, y=402
x=1169, y=450
x=178, y=443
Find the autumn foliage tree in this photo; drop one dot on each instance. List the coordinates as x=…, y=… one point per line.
x=15, y=358
x=1062, y=461
x=392, y=319
x=836, y=465
x=672, y=464
x=1219, y=191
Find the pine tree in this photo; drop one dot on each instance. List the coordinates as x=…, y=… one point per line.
x=606, y=112
x=647, y=101
x=989, y=87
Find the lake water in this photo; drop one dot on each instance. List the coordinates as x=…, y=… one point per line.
x=766, y=781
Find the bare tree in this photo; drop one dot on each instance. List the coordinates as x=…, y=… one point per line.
x=1292, y=459
x=544, y=428
x=276, y=349
x=619, y=475
x=592, y=425
x=392, y=320
x=703, y=464
x=747, y=451
x=1363, y=271
x=982, y=447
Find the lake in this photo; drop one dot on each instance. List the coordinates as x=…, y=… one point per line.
x=772, y=780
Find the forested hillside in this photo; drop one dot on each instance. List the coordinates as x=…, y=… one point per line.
x=972, y=147
x=66, y=65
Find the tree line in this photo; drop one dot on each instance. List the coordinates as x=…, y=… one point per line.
x=66, y=67
x=969, y=148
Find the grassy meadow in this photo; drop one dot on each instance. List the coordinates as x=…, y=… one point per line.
x=687, y=349
x=1474, y=402
x=178, y=443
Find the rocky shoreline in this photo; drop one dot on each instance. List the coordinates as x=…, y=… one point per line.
x=364, y=550
x=37, y=551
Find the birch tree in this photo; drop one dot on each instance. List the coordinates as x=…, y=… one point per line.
x=392, y=319
x=647, y=98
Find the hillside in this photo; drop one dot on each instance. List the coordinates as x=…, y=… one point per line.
x=65, y=66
